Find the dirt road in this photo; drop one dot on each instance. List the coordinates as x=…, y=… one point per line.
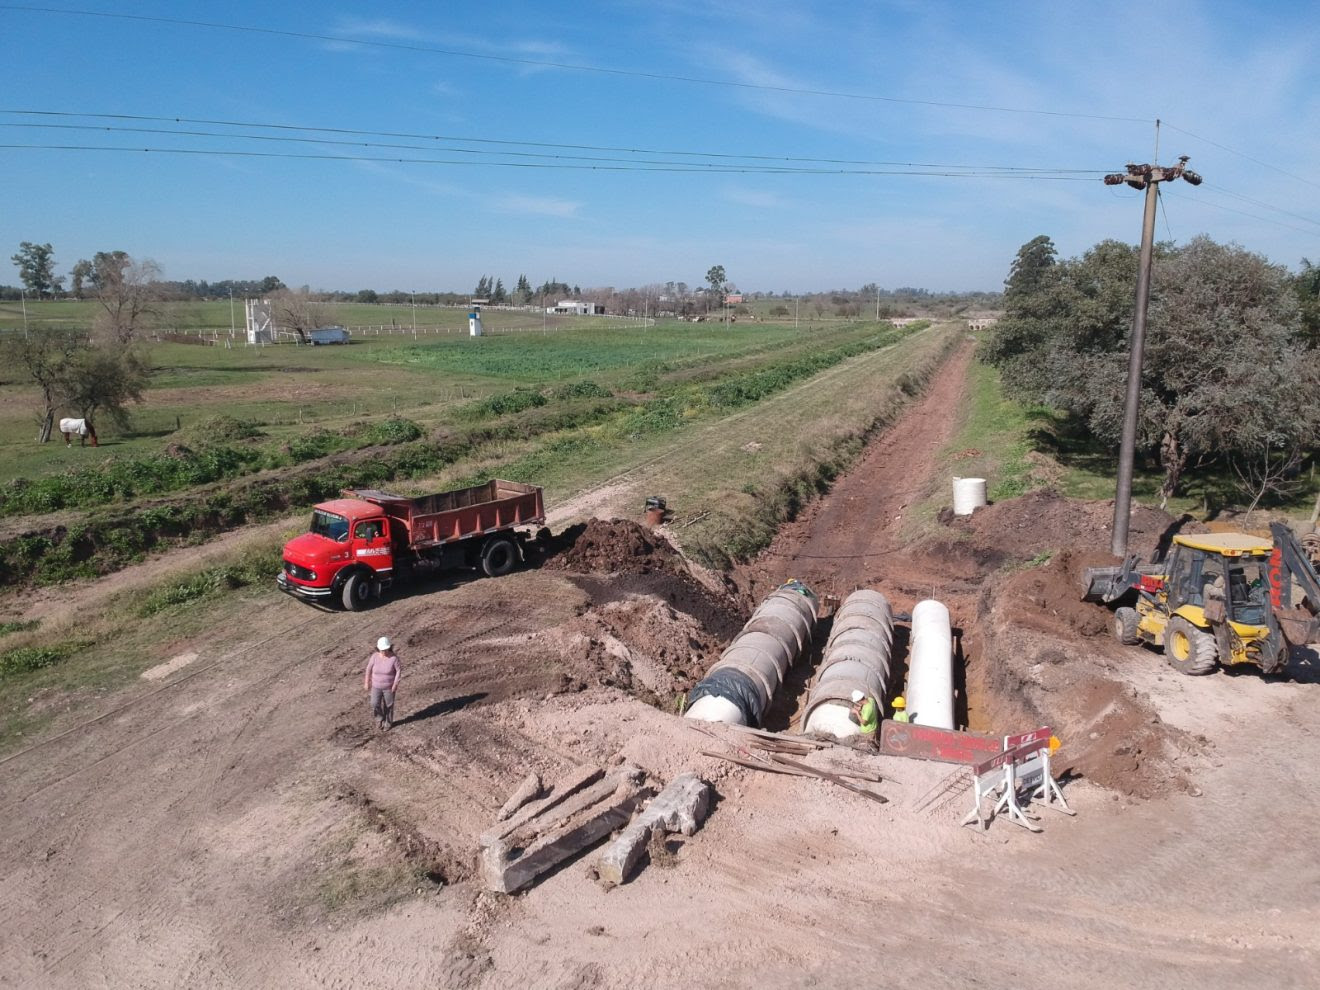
x=240, y=822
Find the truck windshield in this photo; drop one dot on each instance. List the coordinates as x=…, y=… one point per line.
x=329, y=525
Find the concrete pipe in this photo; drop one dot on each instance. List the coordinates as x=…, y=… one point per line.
x=740, y=686
x=857, y=658
x=930, y=668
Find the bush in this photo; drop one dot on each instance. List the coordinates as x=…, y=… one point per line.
x=519, y=400
x=24, y=659
x=583, y=390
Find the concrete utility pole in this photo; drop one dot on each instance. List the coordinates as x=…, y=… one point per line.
x=1147, y=177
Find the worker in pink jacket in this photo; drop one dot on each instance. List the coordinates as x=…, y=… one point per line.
x=382, y=680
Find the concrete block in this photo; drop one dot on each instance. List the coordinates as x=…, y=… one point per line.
x=528, y=790
x=680, y=807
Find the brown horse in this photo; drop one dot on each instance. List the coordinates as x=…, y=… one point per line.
x=80, y=428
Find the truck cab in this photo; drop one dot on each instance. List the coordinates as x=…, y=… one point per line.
x=347, y=555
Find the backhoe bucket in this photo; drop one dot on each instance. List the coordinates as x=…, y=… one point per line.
x=1103, y=584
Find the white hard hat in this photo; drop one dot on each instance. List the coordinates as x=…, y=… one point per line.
x=857, y=696
x=383, y=643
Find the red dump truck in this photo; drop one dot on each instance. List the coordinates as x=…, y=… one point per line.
x=361, y=544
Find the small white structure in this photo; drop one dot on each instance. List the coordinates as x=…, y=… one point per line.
x=968, y=495
x=930, y=666
x=260, y=327
x=474, y=323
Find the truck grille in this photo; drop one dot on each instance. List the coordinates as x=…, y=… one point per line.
x=301, y=573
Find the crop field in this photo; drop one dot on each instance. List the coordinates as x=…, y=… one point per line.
x=233, y=436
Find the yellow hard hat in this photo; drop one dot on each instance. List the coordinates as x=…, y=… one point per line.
x=899, y=702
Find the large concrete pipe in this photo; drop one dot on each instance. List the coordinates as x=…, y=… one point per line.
x=739, y=687
x=857, y=658
x=930, y=668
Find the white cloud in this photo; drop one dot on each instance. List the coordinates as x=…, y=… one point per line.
x=541, y=206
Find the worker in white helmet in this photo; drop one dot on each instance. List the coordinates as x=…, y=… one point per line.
x=382, y=680
x=900, y=710
x=865, y=713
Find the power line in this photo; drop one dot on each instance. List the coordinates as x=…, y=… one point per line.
x=1242, y=154
x=1278, y=223
x=569, y=66
x=712, y=166
x=523, y=144
x=690, y=167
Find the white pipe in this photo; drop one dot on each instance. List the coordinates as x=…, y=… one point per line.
x=930, y=667
x=749, y=673
x=856, y=658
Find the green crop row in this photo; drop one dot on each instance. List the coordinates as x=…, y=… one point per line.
x=185, y=467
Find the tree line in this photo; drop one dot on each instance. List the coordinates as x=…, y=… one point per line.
x=1231, y=373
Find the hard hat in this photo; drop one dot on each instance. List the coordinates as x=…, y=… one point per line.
x=899, y=702
x=857, y=696
x=383, y=643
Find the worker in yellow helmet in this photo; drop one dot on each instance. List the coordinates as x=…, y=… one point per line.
x=900, y=709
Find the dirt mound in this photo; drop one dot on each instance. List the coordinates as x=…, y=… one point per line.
x=1037, y=661
x=615, y=546
x=1040, y=522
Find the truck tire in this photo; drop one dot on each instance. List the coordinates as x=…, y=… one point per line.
x=1190, y=650
x=498, y=556
x=1125, y=626
x=356, y=592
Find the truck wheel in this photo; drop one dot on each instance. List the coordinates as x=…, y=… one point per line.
x=1190, y=650
x=1125, y=626
x=498, y=556
x=356, y=592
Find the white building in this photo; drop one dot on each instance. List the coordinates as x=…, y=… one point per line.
x=572, y=307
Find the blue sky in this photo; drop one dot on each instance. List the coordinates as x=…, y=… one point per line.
x=1235, y=84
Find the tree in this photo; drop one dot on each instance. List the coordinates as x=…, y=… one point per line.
x=79, y=277
x=498, y=295
x=36, y=268
x=270, y=284
x=367, y=296
x=46, y=357
x=715, y=276
x=1223, y=372
x=127, y=290
x=522, y=292
x=296, y=311
x=1306, y=283
x=104, y=379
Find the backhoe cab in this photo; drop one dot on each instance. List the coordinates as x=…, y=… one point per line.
x=1217, y=598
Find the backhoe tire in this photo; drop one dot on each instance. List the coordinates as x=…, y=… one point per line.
x=1125, y=626
x=1190, y=650
x=356, y=593
x=498, y=556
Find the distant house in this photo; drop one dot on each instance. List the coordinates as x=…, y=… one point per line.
x=572, y=307
x=981, y=322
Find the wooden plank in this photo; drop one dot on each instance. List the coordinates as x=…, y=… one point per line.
x=833, y=778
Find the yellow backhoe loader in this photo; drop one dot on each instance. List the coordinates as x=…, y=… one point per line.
x=1217, y=598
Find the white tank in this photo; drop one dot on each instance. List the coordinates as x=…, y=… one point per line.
x=968, y=495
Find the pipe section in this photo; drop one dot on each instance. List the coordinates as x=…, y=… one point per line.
x=739, y=687
x=857, y=658
x=968, y=495
x=930, y=668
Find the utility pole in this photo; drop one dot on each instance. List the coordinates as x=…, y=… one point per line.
x=414, y=300
x=233, y=327
x=1147, y=177
x=22, y=295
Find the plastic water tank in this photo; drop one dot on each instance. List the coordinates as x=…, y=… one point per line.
x=968, y=495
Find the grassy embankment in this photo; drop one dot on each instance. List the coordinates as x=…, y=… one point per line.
x=1020, y=448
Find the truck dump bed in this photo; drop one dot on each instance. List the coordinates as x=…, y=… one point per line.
x=435, y=519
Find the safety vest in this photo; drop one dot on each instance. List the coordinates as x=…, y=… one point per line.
x=901, y=715
x=870, y=718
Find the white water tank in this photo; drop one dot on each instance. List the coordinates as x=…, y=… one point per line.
x=968, y=495
x=474, y=323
